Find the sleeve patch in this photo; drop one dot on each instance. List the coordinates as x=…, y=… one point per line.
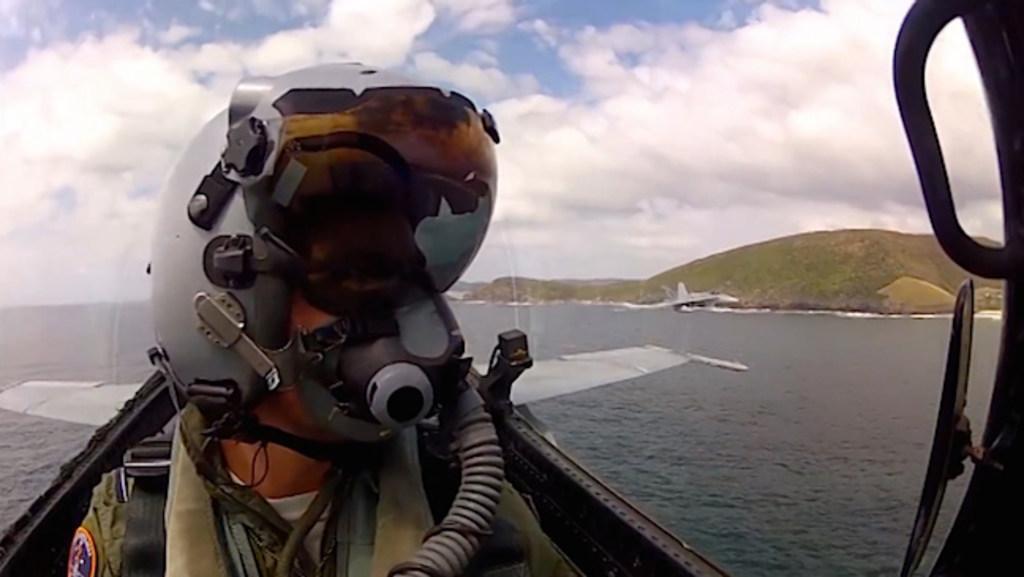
x=82, y=558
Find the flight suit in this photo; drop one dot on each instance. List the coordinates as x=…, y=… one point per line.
x=216, y=528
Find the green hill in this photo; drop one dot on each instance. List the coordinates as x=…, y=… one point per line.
x=522, y=289
x=867, y=270
x=917, y=295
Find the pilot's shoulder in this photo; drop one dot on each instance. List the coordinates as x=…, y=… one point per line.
x=96, y=545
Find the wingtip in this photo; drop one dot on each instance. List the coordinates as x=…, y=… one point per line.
x=719, y=363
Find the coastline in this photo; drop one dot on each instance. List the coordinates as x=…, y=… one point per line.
x=852, y=314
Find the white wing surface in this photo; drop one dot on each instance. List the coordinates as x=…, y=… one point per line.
x=579, y=372
x=85, y=402
x=95, y=403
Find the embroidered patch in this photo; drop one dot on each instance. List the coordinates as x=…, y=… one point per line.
x=82, y=559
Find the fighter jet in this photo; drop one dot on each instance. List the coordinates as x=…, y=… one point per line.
x=684, y=300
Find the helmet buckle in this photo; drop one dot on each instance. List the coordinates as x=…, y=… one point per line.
x=232, y=259
x=248, y=147
x=228, y=261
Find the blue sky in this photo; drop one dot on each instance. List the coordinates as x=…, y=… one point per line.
x=37, y=24
x=636, y=135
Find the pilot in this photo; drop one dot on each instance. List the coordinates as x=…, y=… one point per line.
x=325, y=424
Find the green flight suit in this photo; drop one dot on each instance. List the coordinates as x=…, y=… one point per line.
x=206, y=510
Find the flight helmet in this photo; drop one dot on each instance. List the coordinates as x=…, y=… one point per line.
x=361, y=191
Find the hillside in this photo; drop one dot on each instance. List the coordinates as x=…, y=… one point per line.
x=865, y=270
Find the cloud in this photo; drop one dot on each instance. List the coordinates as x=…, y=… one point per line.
x=544, y=34
x=28, y=19
x=783, y=124
x=308, y=8
x=481, y=81
x=10, y=16
x=209, y=6
x=176, y=33
x=659, y=234
x=271, y=9
x=383, y=33
x=469, y=15
x=483, y=57
x=91, y=127
x=480, y=16
x=94, y=125
x=684, y=139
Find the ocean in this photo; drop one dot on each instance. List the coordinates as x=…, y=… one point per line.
x=809, y=464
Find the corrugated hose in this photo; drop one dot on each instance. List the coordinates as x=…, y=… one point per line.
x=450, y=546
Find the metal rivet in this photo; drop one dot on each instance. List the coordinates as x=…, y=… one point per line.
x=198, y=205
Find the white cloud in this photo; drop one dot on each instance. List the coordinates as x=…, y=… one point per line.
x=383, y=30
x=484, y=82
x=727, y=19
x=483, y=58
x=480, y=15
x=784, y=124
x=546, y=35
x=36, y=18
x=90, y=125
x=10, y=20
x=234, y=10
x=308, y=8
x=177, y=33
x=659, y=234
x=683, y=140
x=94, y=124
x=272, y=9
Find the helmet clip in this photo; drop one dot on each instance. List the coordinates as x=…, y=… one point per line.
x=228, y=261
x=490, y=126
x=248, y=147
x=222, y=321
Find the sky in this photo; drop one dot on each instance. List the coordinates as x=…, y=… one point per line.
x=636, y=136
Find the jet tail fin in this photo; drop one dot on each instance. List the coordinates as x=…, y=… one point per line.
x=681, y=292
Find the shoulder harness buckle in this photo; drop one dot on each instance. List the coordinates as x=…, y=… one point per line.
x=150, y=458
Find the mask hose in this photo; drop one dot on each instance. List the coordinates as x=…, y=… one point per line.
x=450, y=546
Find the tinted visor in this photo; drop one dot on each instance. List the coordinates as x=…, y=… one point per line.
x=370, y=224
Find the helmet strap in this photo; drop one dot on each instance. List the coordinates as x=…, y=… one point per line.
x=247, y=428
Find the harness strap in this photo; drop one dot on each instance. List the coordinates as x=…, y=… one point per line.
x=243, y=558
x=355, y=531
x=147, y=465
x=143, y=548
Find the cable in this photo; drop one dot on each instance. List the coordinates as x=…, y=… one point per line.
x=304, y=525
x=158, y=358
x=266, y=465
x=253, y=483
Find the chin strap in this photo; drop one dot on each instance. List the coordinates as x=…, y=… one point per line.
x=347, y=330
x=247, y=428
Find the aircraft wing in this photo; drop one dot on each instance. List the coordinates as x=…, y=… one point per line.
x=574, y=373
x=85, y=402
x=569, y=374
x=95, y=403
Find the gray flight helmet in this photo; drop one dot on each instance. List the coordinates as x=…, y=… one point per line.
x=208, y=195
